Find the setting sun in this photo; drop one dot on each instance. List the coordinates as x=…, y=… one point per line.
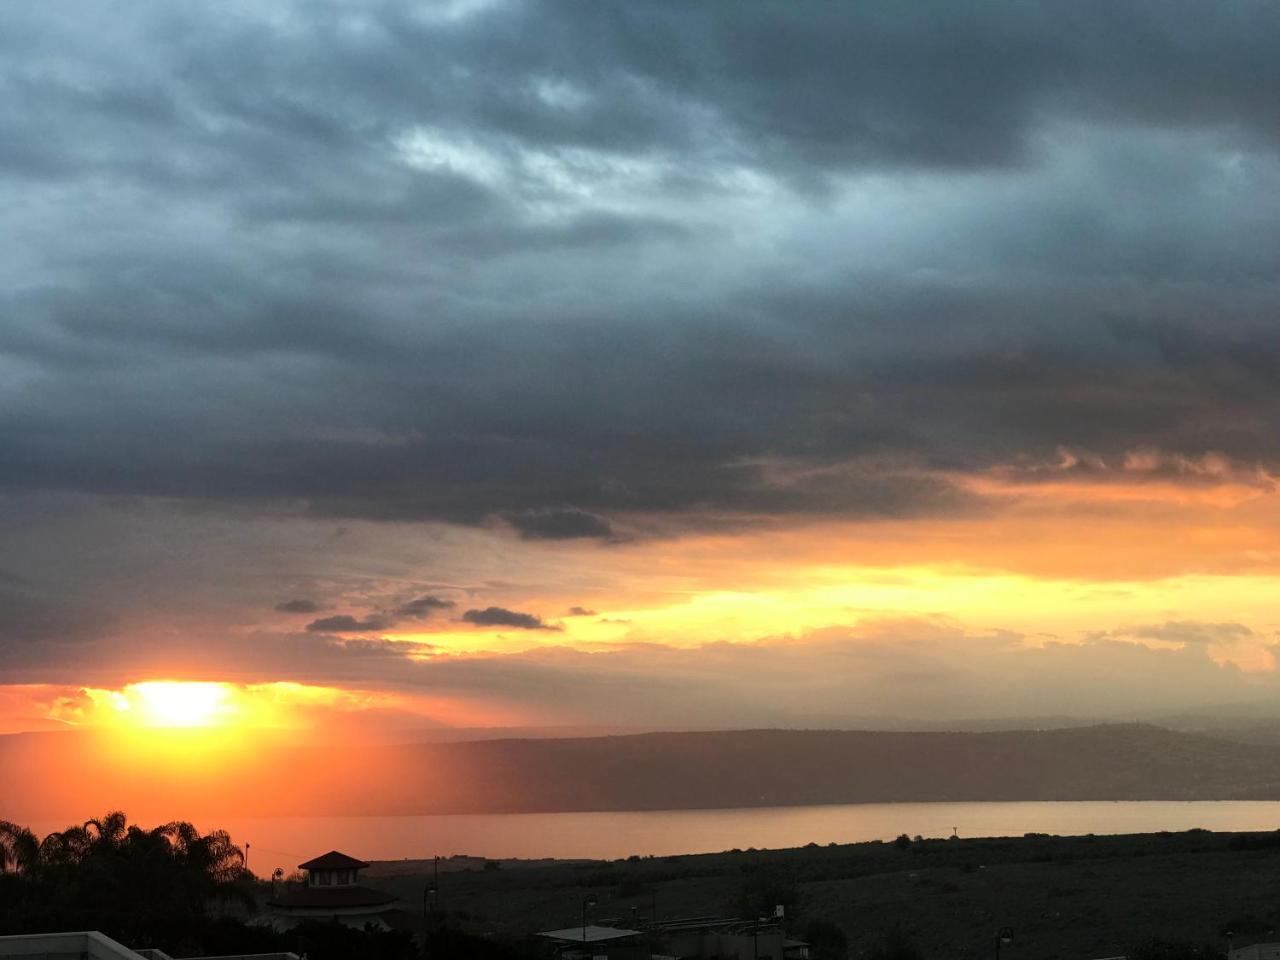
x=174, y=703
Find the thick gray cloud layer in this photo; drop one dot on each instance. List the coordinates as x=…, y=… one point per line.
x=552, y=262
x=582, y=271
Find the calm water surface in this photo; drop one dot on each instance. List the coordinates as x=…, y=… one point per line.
x=285, y=842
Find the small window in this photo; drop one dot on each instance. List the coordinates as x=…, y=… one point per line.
x=326, y=878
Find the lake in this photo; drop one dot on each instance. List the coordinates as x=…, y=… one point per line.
x=286, y=842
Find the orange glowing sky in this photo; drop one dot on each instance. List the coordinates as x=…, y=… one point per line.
x=1108, y=596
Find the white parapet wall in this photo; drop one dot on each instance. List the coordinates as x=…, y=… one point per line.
x=91, y=945
x=83, y=945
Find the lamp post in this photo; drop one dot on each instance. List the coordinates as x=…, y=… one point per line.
x=431, y=894
x=435, y=886
x=426, y=927
x=1003, y=935
x=588, y=901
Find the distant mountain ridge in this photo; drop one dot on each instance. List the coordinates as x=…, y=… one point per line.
x=647, y=771
x=788, y=767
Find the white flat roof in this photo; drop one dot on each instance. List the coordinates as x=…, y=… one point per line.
x=594, y=934
x=92, y=945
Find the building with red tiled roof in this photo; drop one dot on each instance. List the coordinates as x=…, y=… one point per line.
x=332, y=891
x=333, y=860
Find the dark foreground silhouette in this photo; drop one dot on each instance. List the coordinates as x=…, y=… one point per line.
x=173, y=888
x=1153, y=896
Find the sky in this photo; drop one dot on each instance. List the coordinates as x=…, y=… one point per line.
x=396, y=366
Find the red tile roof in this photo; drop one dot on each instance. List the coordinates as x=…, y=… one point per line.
x=333, y=860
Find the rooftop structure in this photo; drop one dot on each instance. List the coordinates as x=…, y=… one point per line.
x=1257, y=951
x=721, y=937
x=590, y=934
x=612, y=943
x=333, y=861
x=332, y=892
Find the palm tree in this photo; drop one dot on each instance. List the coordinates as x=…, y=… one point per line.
x=212, y=853
x=110, y=831
x=148, y=885
x=19, y=848
x=65, y=847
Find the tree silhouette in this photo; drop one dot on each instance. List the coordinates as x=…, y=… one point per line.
x=157, y=887
x=19, y=848
x=145, y=887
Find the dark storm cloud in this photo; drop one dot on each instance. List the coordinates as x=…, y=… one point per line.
x=297, y=606
x=418, y=609
x=560, y=523
x=422, y=607
x=933, y=84
x=501, y=617
x=345, y=623
x=474, y=261
x=35, y=618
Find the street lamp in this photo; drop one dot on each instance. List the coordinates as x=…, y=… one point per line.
x=588, y=901
x=430, y=893
x=1003, y=935
x=435, y=886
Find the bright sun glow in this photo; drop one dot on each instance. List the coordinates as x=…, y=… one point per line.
x=177, y=704
x=207, y=710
